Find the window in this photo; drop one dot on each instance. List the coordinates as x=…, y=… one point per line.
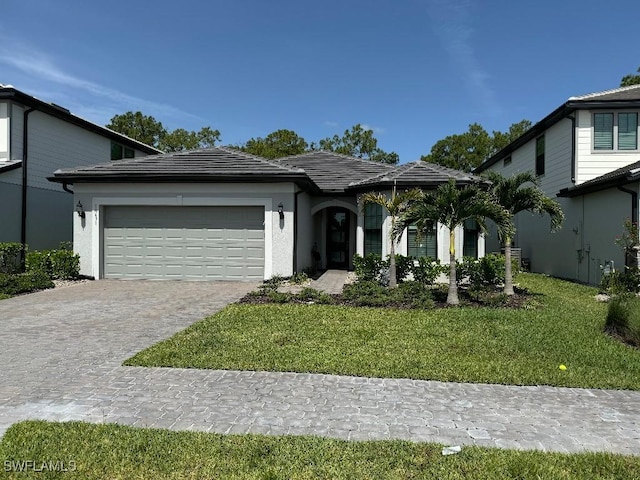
x=507, y=161
x=603, y=131
x=118, y=152
x=471, y=231
x=615, y=131
x=540, y=155
x=627, y=131
x=421, y=245
x=372, y=229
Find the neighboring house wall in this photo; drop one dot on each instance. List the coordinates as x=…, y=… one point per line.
x=52, y=144
x=95, y=197
x=587, y=238
x=5, y=132
x=594, y=163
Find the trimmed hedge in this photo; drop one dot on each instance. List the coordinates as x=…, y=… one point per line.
x=15, y=284
x=57, y=264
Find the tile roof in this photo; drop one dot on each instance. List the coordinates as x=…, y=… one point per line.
x=418, y=173
x=617, y=94
x=211, y=164
x=614, y=178
x=334, y=172
x=320, y=170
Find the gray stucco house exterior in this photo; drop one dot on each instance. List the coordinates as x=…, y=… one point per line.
x=220, y=213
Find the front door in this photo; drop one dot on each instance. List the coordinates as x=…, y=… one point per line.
x=338, y=238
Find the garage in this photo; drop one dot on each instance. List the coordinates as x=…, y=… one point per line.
x=184, y=243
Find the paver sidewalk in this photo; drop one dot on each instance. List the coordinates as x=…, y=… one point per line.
x=61, y=363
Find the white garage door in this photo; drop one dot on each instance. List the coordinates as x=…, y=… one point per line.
x=189, y=243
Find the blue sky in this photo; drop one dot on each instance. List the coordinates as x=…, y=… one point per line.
x=414, y=71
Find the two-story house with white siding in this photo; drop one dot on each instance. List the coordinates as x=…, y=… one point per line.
x=37, y=138
x=586, y=155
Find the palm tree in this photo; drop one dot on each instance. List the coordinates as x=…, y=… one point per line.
x=451, y=205
x=514, y=197
x=395, y=205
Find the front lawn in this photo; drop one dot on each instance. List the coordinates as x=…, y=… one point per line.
x=469, y=344
x=111, y=451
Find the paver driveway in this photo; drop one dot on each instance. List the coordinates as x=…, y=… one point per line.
x=61, y=354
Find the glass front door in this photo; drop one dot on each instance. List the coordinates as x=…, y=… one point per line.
x=338, y=238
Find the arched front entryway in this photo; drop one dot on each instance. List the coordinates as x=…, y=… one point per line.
x=334, y=234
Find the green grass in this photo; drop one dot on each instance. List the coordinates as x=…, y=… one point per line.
x=487, y=345
x=4, y=295
x=111, y=451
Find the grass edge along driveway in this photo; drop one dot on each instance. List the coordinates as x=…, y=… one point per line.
x=467, y=344
x=113, y=451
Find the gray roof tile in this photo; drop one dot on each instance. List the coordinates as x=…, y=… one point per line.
x=419, y=173
x=334, y=172
x=209, y=164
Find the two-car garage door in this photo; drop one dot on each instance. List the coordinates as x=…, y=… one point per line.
x=189, y=243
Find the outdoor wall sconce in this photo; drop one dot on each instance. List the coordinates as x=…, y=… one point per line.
x=281, y=211
x=80, y=210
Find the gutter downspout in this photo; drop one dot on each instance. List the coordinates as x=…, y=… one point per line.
x=65, y=187
x=25, y=158
x=573, y=147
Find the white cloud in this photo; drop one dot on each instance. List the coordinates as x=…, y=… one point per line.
x=453, y=24
x=331, y=124
x=41, y=68
x=373, y=128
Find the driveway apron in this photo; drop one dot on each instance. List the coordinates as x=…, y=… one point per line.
x=61, y=354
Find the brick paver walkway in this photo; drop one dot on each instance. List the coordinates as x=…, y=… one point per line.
x=330, y=281
x=61, y=352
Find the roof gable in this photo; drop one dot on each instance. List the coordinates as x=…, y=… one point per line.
x=334, y=172
x=418, y=174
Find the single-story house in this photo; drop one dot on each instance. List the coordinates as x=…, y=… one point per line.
x=220, y=213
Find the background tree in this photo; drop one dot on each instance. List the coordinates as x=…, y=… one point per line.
x=147, y=129
x=631, y=79
x=395, y=206
x=512, y=194
x=281, y=143
x=181, y=139
x=357, y=142
x=451, y=205
x=138, y=126
x=468, y=150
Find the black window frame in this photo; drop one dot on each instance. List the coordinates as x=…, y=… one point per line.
x=540, y=155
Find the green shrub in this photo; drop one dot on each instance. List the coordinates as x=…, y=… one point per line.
x=623, y=318
x=484, y=272
x=425, y=270
x=15, y=284
x=620, y=282
x=309, y=294
x=404, y=266
x=271, y=285
x=414, y=294
x=57, y=264
x=299, y=278
x=366, y=293
x=279, y=297
x=10, y=257
x=371, y=267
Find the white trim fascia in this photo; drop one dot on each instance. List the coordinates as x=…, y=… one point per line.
x=97, y=217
